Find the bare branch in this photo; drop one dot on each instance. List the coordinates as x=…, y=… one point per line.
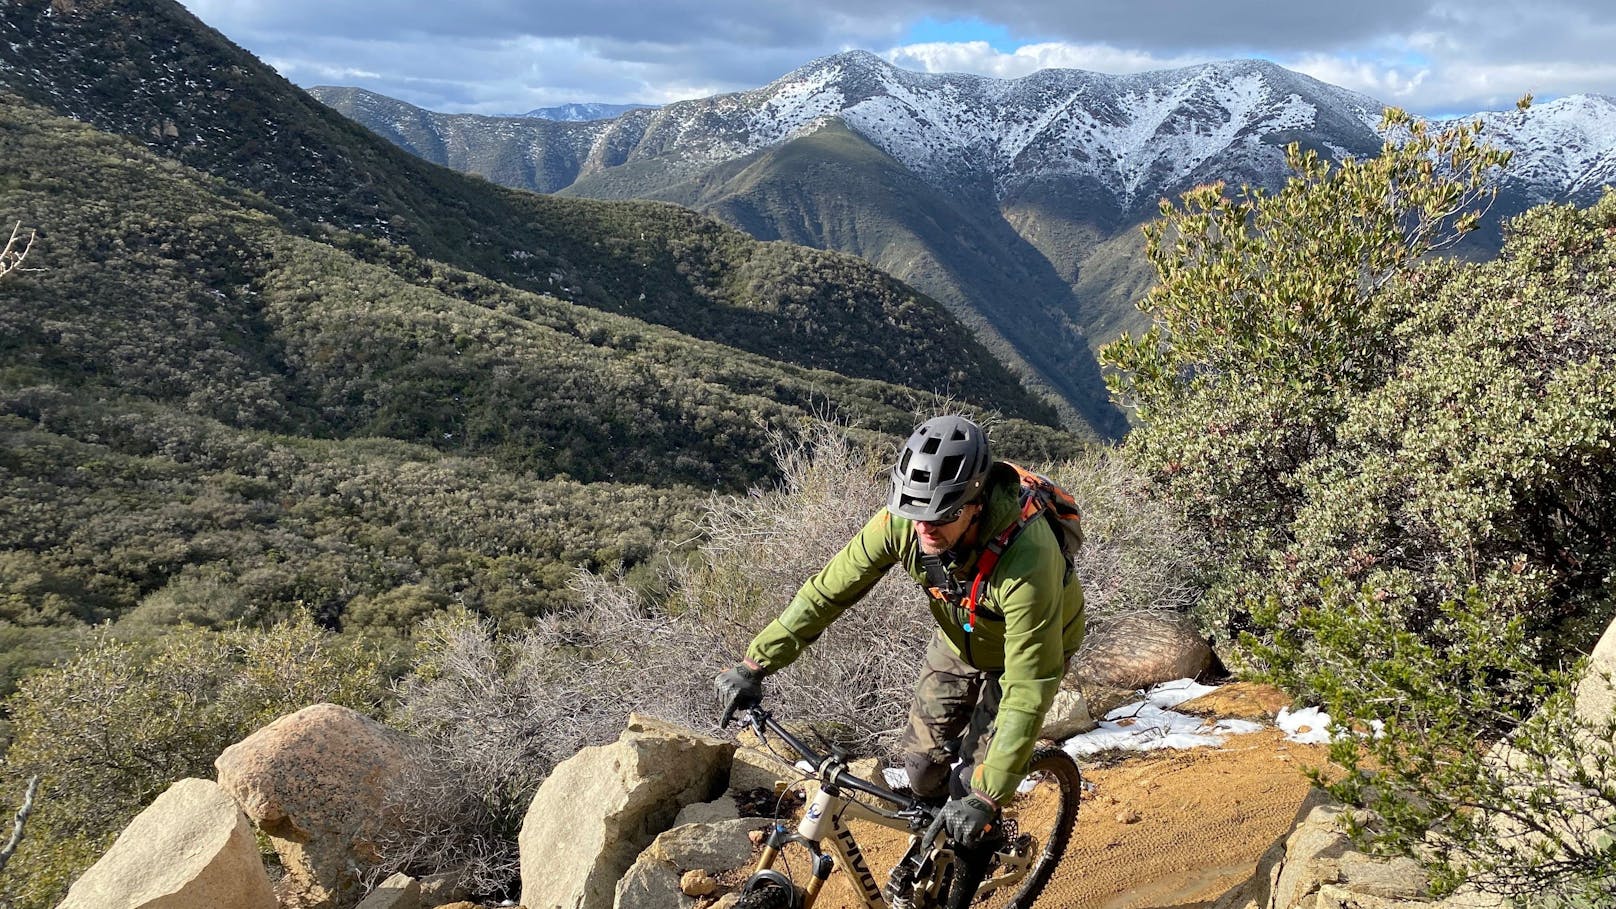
x=22, y=819
x=11, y=257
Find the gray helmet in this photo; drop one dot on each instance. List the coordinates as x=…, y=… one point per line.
x=941, y=467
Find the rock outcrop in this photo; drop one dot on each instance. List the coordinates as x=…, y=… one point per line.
x=190, y=849
x=599, y=809
x=1595, y=705
x=400, y=891
x=1316, y=867
x=754, y=768
x=651, y=885
x=1143, y=649
x=316, y=782
x=1068, y=716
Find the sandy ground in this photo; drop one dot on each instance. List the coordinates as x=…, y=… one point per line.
x=1162, y=829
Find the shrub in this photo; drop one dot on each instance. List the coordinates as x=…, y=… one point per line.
x=114, y=726
x=1403, y=467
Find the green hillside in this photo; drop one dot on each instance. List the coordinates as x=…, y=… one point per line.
x=1008, y=268
x=208, y=416
x=519, y=152
x=833, y=189
x=150, y=70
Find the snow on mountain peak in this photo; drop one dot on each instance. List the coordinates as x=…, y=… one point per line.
x=1134, y=136
x=1139, y=133
x=1560, y=147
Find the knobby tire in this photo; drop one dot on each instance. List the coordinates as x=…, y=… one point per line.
x=1059, y=767
x=769, y=896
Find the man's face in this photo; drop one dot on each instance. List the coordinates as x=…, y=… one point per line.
x=936, y=538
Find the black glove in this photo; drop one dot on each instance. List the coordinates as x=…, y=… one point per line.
x=969, y=819
x=738, y=689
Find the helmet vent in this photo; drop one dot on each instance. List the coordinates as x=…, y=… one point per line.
x=921, y=476
x=931, y=445
x=952, y=467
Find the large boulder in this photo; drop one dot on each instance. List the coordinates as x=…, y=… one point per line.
x=1068, y=715
x=754, y=768
x=1551, y=807
x=651, y=884
x=400, y=891
x=1596, y=690
x=708, y=847
x=1142, y=649
x=722, y=808
x=190, y=849
x=601, y=807
x=1315, y=866
x=317, y=782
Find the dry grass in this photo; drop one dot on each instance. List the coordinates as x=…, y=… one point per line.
x=496, y=713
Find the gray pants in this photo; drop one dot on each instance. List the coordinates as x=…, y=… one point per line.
x=954, y=715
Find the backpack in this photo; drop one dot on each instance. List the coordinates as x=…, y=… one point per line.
x=1039, y=496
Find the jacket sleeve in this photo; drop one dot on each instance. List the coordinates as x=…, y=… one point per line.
x=1034, y=661
x=842, y=582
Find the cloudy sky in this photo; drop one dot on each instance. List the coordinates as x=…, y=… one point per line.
x=1435, y=57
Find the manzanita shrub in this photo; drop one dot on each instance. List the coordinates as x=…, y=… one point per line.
x=1404, y=465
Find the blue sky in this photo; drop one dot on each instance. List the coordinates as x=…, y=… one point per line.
x=1434, y=57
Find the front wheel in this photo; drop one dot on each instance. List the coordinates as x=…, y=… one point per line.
x=1037, y=825
x=768, y=896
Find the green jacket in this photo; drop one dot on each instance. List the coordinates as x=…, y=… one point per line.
x=1039, y=598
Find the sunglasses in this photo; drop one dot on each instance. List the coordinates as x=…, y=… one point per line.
x=951, y=517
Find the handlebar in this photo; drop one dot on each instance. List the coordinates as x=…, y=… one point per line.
x=831, y=770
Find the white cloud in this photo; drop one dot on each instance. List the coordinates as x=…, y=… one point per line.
x=503, y=56
x=982, y=59
x=1393, y=85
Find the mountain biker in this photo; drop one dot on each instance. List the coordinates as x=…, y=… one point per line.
x=989, y=673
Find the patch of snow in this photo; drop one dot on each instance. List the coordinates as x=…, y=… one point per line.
x=1310, y=725
x=1146, y=727
x=1168, y=695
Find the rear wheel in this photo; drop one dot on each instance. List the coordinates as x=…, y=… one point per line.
x=1037, y=825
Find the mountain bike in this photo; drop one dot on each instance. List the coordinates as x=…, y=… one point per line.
x=1009, y=869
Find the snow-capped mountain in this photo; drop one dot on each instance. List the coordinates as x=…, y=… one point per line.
x=1563, y=149
x=1137, y=134
x=583, y=112
x=1140, y=135
x=1013, y=201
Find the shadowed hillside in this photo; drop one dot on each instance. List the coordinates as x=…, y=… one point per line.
x=187, y=93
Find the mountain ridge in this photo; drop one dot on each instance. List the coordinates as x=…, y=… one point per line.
x=583, y=111
x=1069, y=161
x=198, y=99
x=898, y=112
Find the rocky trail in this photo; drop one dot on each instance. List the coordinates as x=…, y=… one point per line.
x=1163, y=829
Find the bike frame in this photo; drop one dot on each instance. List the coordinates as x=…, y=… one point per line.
x=824, y=826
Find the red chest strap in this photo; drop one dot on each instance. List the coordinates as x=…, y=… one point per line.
x=985, y=563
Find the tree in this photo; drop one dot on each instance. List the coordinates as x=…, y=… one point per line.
x=1270, y=311
x=1403, y=464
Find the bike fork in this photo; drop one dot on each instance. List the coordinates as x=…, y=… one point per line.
x=820, y=870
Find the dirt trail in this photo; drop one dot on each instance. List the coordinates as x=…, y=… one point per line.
x=1163, y=829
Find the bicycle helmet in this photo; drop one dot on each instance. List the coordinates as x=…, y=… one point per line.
x=942, y=466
